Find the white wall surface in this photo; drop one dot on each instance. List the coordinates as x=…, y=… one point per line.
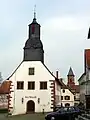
x=21, y=74
x=67, y=93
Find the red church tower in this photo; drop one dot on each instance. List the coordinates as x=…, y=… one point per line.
x=71, y=81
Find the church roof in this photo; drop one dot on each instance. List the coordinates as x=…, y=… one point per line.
x=33, y=43
x=70, y=73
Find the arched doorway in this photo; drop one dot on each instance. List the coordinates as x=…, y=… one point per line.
x=67, y=105
x=30, y=106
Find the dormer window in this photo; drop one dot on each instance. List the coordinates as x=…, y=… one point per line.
x=31, y=71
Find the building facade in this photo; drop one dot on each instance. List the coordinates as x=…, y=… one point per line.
x=33, y=88
x=67, y=96
x=74, y=88
x=84, y=81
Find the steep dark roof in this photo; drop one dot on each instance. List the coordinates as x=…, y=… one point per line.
x=63, y=86
x=70, y=73
x=81, y=76
x=33, y=43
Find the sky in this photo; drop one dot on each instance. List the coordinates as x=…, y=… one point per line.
x=64, y=30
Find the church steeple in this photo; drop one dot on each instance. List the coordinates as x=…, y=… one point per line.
x=34, y=19
x=34, y=28
x=70, y=73
x=33, y=50
x=70, y=77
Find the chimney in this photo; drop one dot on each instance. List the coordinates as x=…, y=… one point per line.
x=56, y=74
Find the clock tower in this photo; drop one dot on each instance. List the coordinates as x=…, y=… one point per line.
x=33, y=50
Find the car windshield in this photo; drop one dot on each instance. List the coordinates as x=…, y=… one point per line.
x=63, y=109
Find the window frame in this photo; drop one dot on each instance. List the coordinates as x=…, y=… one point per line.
x=33, y=85
x=31, y=71
x=63, y=90
x=43, y=86
x=20, y=85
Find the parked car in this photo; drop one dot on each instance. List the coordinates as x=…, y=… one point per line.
x=57, y=108
x=64, y=113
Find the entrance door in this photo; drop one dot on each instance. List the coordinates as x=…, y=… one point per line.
x=30, y=106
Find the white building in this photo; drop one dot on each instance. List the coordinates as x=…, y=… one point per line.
x=33, y=87
x=67, y=96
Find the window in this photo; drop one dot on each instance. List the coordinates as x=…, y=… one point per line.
x=67, y=105
x=43, y=85
x=74, y=97
x=70, y=80
x=20, y=85
x=31, y=85
x=61, y=97
x=67, y=97
x=31, y=71
x=63, y=91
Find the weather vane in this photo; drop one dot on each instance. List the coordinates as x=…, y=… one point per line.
x=35, y=11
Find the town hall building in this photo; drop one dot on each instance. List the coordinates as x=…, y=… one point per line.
x=33, y=88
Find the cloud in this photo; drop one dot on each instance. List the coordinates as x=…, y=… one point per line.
x=66, y=23
x=64, y=42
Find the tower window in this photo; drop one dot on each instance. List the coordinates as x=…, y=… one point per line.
x=43, y=85
x=31, y=85
x=31, y=71
x=20, y=85
x=70, y=80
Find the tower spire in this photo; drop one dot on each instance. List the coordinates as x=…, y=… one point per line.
x=34, y=19
x=34, y=11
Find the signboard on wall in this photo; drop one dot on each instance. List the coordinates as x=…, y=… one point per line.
x=30, y=96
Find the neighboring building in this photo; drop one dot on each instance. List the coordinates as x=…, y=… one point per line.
x=33, y=87
x=74, y=88
x=82, y=83
x=84, y=80
x=1, y=79
x=4, y=91
x=67, y=96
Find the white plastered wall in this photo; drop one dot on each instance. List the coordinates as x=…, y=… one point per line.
x=21, y=74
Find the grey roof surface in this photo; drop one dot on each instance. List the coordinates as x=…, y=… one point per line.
x=70, y=73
